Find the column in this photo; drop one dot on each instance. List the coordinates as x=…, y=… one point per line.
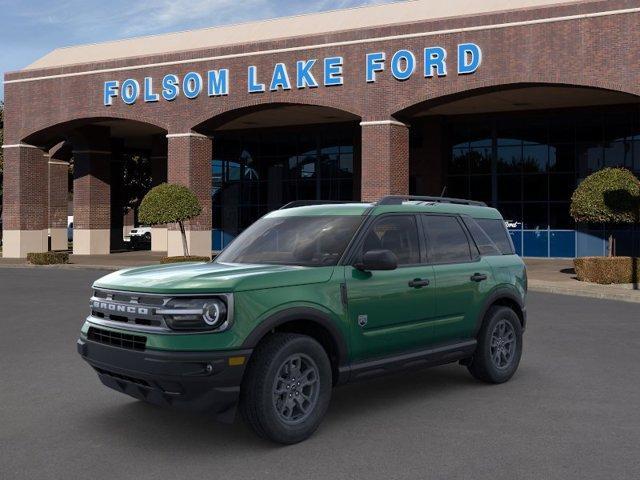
x=189, y=163
x=158, y=160
x=58, y=197
x=385, y=159
x=25, y=200
x=92, y=192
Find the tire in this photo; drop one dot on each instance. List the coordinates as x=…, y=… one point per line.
x=277, y=406
x=495, y=359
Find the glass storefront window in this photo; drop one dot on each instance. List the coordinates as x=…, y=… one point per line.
x=256, y=171
x=530, y=164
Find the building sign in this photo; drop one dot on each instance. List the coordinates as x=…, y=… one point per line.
x=310, y=73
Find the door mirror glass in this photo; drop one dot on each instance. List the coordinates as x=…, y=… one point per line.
x=378, y=260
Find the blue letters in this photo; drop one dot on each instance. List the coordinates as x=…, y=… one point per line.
x=400, y=71
x=192, y=85
x=333, y=71
x=304, y=77
x=130, y=91
x=110, y=91
x=170, y=89
x=375, y=63
x=402, y=66
x=149, y=96
x=434, y=57
x=280, y=78
x=469, y=58
x=218, y=82
x=253, y=85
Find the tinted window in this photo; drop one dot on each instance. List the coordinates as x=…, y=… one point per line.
x=308, y=241
x=447, y=242
x=483, y=242
x=497, y=232
x=398, y=234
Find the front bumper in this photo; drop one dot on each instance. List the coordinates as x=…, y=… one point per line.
x=197, y=381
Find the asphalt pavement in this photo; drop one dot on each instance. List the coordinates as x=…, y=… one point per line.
x=571, y=411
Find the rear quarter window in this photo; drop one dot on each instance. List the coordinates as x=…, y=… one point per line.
x=496, y=230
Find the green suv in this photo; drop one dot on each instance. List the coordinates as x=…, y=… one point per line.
x=310, y=297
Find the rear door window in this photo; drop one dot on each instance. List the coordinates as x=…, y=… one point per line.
x=446, y=240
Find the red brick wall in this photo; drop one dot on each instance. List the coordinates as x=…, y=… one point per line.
x=385, y=160
x=195, y=174
x=58, y=193
x=599, y=51
x=25, y=189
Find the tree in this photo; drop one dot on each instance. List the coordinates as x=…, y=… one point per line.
x=170, y=203
x=136, y=182
x=611, y=195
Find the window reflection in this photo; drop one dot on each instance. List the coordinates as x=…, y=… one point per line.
x=256, y=171
x=528, y=165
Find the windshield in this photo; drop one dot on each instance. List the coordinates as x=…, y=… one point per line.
x=312, y=241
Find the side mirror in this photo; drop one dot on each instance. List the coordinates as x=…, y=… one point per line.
x=378, y=260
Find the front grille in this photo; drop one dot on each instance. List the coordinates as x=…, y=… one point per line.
x=117, y=339
x=128, y=308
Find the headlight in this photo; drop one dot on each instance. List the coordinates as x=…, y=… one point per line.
x=195, y=314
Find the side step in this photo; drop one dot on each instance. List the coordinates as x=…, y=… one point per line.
x=417, y=359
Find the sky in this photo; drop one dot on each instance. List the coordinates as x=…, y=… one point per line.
x=31, y=28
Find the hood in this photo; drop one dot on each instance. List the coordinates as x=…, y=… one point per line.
x=211, y=277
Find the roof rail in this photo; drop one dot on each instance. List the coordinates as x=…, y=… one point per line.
x=398, y=199
x=306, y=203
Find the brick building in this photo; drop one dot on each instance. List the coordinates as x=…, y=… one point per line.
x=507, y=101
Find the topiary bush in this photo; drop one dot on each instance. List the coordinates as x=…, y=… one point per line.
x=190, y=258
x=607, y=270
x=611, y=195
x=48, y=258
x=170, y=203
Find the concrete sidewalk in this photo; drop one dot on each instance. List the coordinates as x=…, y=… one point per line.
x=545, y=275
x=558, y=276
x=115, y=261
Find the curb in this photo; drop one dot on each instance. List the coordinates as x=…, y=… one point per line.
x=69, y=266
x=548, y=287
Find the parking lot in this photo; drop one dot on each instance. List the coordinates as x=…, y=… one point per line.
x=571, y=411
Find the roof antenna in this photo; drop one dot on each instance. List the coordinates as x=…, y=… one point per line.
x=443, y=191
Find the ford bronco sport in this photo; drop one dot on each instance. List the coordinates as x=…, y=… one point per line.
x=310, y=297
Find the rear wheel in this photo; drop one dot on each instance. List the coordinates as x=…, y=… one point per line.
x=287, y=388
x=499, y=346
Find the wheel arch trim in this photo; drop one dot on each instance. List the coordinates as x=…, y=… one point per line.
x=307, y=314
x=502, y=293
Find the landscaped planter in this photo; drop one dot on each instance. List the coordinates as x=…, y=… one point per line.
x=607, y=270
x=190, y=258
x=47, y=258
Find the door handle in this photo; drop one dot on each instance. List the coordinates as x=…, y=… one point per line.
x=478, y=277
x=418, y=283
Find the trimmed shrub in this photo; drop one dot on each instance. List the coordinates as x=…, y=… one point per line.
x=170, y=203
x=48, y=258
x=607, y=270
x=191, y=258
x=610, y=195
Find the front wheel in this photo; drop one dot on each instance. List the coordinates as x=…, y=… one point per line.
x=287, y=388
x=499, y=346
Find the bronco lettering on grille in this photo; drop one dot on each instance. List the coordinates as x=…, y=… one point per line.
x=116, y=307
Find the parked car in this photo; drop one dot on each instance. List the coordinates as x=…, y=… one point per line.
x=308, y=298
x=140, y=238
